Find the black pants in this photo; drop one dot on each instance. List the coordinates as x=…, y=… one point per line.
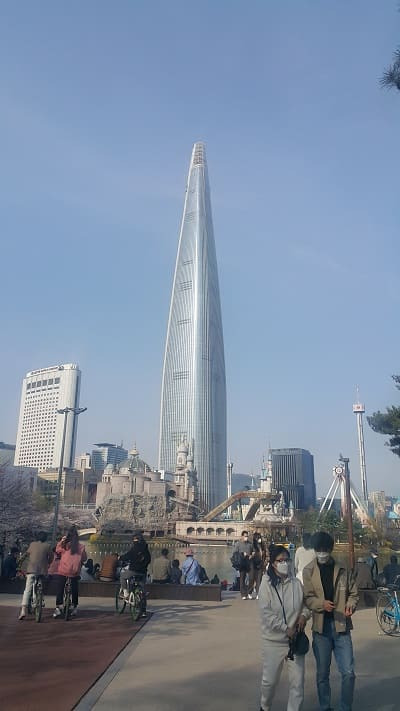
x=61, y=580
x=244, y=590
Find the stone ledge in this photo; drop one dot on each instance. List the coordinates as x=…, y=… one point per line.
x=103, y=589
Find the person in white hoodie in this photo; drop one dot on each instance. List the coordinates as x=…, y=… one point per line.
x=283, y=613
x=304, y=555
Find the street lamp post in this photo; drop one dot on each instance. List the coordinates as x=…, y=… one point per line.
x=350, y=535
x=65, y=411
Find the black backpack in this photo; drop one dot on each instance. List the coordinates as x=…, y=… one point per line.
x=236, y=560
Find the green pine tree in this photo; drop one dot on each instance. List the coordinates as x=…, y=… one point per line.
x=388, y=423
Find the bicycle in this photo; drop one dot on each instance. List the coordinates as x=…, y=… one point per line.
x=36, y=602
x=135, y=598
x=67, y=599
x=388, y=609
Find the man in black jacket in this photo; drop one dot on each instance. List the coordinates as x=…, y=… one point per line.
x=138, y=558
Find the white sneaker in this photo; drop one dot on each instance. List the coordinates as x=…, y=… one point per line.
x=74, y=612
x=256, y=597
x=244, y=597
x=57, y=612
x=250, y=597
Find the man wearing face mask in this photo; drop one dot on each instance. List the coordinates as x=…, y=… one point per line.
x=330, y=591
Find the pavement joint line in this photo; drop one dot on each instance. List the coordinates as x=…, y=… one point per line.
x=96, y=691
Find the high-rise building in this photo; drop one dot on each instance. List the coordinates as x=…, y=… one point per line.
x=107, y=453
x=378, y=502
x=293, y=474
x=193, y=397
x=40, y=428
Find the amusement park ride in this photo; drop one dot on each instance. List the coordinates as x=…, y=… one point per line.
x=339, y=477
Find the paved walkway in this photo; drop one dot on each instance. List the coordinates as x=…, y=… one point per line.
x=196, y=656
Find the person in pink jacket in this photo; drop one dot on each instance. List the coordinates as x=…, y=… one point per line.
x=72, y=554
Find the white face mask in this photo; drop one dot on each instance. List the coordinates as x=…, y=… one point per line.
x=323, y=557
x=282, y=567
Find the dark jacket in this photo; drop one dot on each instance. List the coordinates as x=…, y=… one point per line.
x=9, y=566
x=138, y=557
x=391, y=571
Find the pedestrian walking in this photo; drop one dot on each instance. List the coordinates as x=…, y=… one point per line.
x=245, y=549
x=330, y=591
x=258, y=563
x=283, y=615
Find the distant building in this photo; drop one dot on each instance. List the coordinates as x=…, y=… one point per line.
x=293, y=474
x=77, y=486
x=83, y=461
x=107, y=453
x=7, y=454
x=377, y=500
x=40, y=428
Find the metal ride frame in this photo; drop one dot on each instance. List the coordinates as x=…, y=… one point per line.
x=135, y=598
x=388, y=609
x=35, y=604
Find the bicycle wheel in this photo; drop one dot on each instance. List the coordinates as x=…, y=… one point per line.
x=38, y=601
x=67, y=600
x=136, y=603
x=120, y=600
x=386, y=613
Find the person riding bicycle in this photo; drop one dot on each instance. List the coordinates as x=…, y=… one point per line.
x=73, y=554
x=39, y=556
x=138, y=558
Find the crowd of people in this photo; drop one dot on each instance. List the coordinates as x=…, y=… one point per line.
x=291, y=586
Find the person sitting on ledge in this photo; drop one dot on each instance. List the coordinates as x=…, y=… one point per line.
x=161, y=568
x=175, y=573
x=191, y=569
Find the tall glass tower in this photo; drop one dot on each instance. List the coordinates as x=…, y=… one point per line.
x=193, y=396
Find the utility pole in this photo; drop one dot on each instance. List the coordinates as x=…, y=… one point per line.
x=65, y=411
x=350, y=535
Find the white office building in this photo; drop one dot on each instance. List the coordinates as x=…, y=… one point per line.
x=40, y=427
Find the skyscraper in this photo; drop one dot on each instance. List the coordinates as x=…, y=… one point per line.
x=40, y=428
x=193, y=397
x=293, y=474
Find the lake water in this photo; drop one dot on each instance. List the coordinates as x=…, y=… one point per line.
x=215, y=559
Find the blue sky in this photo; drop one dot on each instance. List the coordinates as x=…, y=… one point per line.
x=100, y=104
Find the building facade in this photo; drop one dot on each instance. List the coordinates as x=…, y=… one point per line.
x=7, y=454
x=377, y=500
x=293, y=474
x=107, y=453
x=40, y=427
x=193, y=396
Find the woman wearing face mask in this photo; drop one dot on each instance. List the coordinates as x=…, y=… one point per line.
x=282, y=614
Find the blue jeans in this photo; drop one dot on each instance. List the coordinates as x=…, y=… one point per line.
x=341, y=645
